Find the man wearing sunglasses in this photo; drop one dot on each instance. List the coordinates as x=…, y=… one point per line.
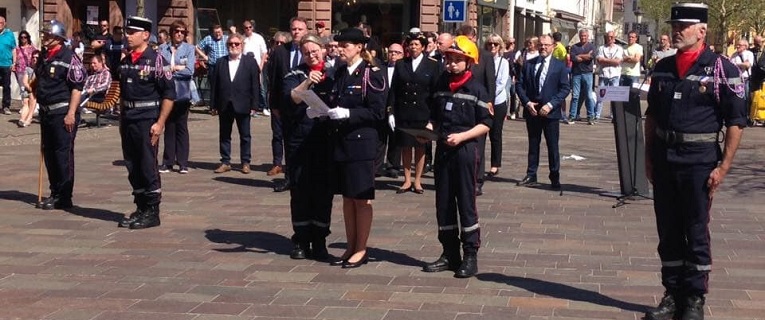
x=235, y=91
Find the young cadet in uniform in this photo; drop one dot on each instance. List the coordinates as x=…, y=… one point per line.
x=360, y=104
x=460, y=117
x=692, y=95
x=147, y=98
x=60, y=79
x=309, y=152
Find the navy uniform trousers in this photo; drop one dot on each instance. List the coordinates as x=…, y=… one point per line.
x=456, y=173
x=58, y=152
x=682, y=204
x=141, y=161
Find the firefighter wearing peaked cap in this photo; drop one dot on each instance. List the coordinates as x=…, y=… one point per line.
x=460, y=116
x=60, y=79
x=692, y=95
x=147, y=97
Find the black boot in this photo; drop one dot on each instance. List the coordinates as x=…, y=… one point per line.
x=45, y=201
x=319, y=250
x=56, y=203
x=469, y=266
x=666, y=310
x=300, y=251
x=126, y=221
x=149, y=218
x=694, y=308
x=449, y=260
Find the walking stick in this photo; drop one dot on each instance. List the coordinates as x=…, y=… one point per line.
x=39, y=175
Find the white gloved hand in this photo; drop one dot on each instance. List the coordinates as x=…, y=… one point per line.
x=392, y=122
x=339, y=113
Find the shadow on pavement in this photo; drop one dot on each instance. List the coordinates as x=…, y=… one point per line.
x=250, y=241
x=245, y=182
x=234, y=166
x=95, y=213
x=561, y=291
x=16, y=195
x=377, y=254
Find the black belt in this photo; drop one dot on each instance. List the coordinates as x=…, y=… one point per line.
x=140, y=104
x=674, y=137
x=54, y=106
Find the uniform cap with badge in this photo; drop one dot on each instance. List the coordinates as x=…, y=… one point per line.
x=688, y=13
x=352, y=35
x=138, y=24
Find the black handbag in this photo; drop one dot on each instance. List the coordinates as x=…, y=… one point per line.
x=182, y=90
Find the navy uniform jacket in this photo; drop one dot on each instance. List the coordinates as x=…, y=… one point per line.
x=689, y=105
x=357, y=135
x=554, y=90
x=149, y=79
x=57, y=77
x=462, y=110
x=411, y=92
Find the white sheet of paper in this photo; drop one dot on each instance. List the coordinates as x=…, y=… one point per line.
x=316, y=107
x=620, y=93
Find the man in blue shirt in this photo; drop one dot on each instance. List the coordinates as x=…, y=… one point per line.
x=7, y=60
x=211, y=48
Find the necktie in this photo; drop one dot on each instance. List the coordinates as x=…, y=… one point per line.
x=295, y=59
x=539, y=74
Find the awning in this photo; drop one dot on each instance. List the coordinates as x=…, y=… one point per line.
x=499, y=4
x=561, y=24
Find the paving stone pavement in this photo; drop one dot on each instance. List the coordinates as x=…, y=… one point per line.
x=222, y=249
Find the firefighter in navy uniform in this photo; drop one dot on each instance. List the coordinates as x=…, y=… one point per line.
x=460, y=116
x=147, y=97
x=692, y=95
x=60, y=79
x=309, y=152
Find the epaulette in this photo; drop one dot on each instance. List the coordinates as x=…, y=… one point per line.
x=432, y=59
x=375, y=69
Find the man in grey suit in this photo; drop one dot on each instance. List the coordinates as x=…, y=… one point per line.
x=235, y=91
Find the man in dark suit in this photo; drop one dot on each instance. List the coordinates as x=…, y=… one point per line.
x=542, y=88
x=283, y=59
x=236, y=91
x=484, y=72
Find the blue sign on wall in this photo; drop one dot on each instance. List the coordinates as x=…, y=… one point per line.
x=454, y=11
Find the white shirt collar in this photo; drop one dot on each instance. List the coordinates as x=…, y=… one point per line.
x=352, y=68
x=416, y=61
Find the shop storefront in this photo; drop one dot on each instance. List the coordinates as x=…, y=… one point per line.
x=492, y=18
x=388, y=20
x=567, y=24
x=529, y=23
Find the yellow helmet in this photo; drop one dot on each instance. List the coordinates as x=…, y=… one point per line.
x=464, y=46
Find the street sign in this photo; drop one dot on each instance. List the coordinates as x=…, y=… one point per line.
x=455, y=11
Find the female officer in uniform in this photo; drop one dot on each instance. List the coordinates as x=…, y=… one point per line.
x=360, y=100
x=460, y=117
x=310, y=152
x=414, y=79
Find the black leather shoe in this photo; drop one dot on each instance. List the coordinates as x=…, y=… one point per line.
x=282, y=186
x=694, y=308
x=666, y=310
x=391, y=173
x=338, y=262
x=300, y=251
x=528, y=181
x=350, y=265
x=479, y=189
x=469, y=266
x=555, y=185
x=149, y=218
x=44, y=202
x=319, y=250
x=127, y=221
x=428, y=168
x=443, y=263
x=56, y=203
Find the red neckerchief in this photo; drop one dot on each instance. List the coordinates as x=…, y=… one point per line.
x=135, y=55
x=320, y=68
x=52, y=52
x=685, y=60
x=458, y=80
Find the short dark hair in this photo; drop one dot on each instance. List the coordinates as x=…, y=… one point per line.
x=557, y=36
x=216, y=26
x=637, y=35
x=466, y=30
x=298, y=18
